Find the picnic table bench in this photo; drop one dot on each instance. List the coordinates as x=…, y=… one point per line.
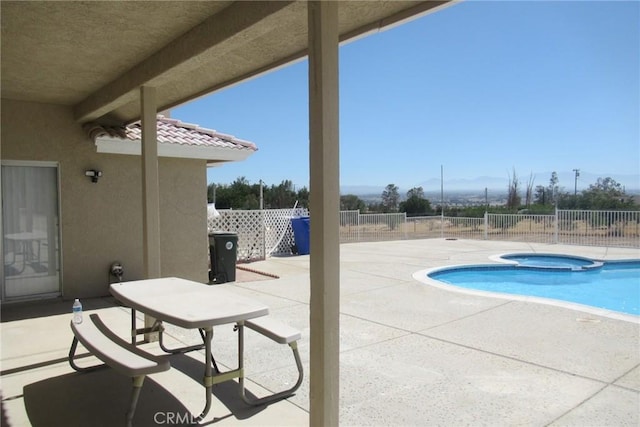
x=282, y=334
x=115, y=352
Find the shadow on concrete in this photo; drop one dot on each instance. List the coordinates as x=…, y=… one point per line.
x=228, y=392
x=99, y=398
x=51, y=307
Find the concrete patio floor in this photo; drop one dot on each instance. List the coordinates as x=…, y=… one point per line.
x=411, y=354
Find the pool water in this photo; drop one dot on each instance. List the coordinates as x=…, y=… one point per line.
x=613, y=285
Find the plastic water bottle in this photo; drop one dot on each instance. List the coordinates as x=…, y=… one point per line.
x=77, y=311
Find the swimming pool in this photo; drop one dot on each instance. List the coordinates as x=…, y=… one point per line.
x=609, y=286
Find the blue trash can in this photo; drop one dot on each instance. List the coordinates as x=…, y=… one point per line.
x=301, y=231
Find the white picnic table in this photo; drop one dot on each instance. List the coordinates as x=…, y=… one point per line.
x=193, y=305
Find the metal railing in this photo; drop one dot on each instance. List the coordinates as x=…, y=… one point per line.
x=520, y=227
x=268, y=232
x=599, y=228
x=572, y=227
x=357, y=227
x=424, y=227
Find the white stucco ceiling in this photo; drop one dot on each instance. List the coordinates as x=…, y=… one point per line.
x=94, y=56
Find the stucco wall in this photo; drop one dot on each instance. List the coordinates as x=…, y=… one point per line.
x=102, y=222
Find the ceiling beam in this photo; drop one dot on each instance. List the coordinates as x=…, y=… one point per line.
x=418, y=10
x=231, y=22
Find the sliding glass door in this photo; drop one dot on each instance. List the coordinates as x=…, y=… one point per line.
x=30, y=230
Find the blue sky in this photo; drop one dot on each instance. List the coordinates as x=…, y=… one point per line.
x=481, y=88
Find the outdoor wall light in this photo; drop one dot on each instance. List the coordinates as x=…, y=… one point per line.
x=93, y=174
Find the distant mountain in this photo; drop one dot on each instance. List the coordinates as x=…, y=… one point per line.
x=491, y=183
x=361, y=190
x=479, y=183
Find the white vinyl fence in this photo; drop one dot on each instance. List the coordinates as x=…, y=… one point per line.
x=261, y=233
x=268, y=232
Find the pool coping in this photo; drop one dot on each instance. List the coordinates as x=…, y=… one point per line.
x=593, y=263
x=422, y=276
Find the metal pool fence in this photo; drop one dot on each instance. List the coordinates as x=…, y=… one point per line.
x=268, y=232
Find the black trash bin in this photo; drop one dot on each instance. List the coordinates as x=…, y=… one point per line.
x=223, y=253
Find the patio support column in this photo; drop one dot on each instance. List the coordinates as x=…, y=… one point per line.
x=150, y=190
x=150, y=184
x=324, y=206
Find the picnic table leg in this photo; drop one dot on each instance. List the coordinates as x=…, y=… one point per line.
x=134, y=328
x=208, y=371
x=240, y=327
x=135, y=394
x=181, y=349
x=72, y=356
x=213, y=359
x=275, y=396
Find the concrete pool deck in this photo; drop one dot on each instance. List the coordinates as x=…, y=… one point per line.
x=411, y=354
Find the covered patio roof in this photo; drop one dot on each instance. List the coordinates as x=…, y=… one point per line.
x=94, y=56
x=115, y=62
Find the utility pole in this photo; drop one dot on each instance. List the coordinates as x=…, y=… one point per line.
x=261, y=196
x=486, y=199
x=441, y=200
x=575, y=188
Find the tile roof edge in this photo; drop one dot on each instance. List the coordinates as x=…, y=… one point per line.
x=247, y=144
x=197, y=128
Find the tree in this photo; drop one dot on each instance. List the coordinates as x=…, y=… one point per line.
x=548, y=195
x=566, y=200
x=513, y=192
x=606, y=193
x=416, y=192
x=553, y=186
x=375, y=207
x=241, y=194
x=281, y=196
x=415, y=204
x=390, y=198
x=303, y=198
x=211, y=190
x=529, y=191
x=223, y=196
x=541, y=196
x=351, y=202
